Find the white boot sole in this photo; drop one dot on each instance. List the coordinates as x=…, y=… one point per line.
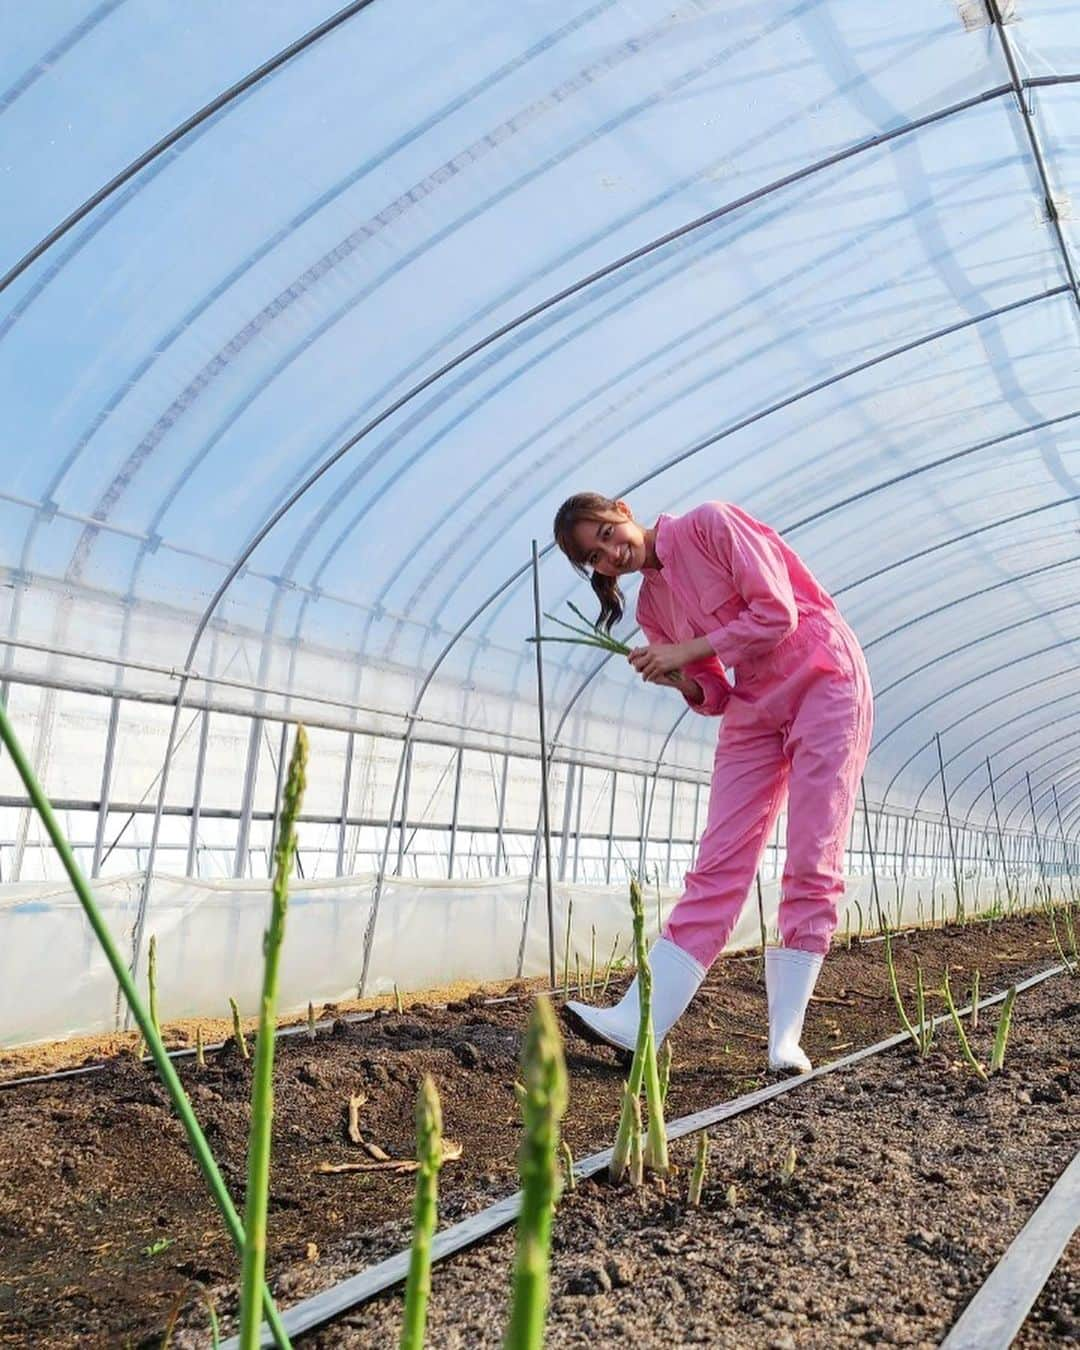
x=595, y=1023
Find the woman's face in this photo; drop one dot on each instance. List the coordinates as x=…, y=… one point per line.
x=611, y=547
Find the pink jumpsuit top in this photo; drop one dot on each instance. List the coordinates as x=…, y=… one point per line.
x=797, y=721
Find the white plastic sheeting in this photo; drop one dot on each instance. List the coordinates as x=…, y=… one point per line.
x=54, y=980
x=309, y=322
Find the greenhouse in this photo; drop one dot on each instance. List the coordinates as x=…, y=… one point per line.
x=310, y=320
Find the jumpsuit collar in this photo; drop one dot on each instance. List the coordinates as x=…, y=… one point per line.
x=660, y=544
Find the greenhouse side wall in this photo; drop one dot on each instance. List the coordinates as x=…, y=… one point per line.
x=54, y=980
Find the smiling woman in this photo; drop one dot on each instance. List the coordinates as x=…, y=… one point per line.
x=720, y=589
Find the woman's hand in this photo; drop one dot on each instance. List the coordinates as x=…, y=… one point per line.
x=661, y=662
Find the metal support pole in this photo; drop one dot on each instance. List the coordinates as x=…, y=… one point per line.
x=454, y=812
x=106, y=787
x=279, y=786
x=1064, y=847
x=670, y=834
x=406, y=783
x=646, y=816
x=500, y=845
x=610, y=828
x=545, y=807
x=346, y=785
x=873, y=863
x=1040, y=860
x=191, y=867
x=567, y=816
x=247, y=799
x=948, y=825
x=577, y=818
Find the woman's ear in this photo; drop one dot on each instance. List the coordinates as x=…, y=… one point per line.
x=624, y=507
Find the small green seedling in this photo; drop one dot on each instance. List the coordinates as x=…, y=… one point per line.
x=965, y=1047
x=664, y=1070
x=1001, y=1036
x=238, y=1031
x=701, y=1161
x=566, y=949
x=568, y=1166
x=151, y=982
x=643, y=1068
x=633, y=1103
x=429, y=1153
x=610, y=966
x=158, y=1246
x=544, y=1106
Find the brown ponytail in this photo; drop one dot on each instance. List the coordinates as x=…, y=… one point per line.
x=590, y=506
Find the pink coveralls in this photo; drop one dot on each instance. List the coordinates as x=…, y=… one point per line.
x=797, y=721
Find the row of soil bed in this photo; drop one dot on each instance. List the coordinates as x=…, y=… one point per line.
x=106, y=1231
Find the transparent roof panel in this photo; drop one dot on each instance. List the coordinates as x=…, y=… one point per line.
x=295, y=398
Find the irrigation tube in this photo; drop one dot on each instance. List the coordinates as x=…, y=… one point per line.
x=997, y=1312
x=360, y=1288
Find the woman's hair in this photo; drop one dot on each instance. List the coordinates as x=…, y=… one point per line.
x=590, y=506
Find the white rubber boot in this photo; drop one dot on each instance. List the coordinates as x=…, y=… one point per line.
x=675, y=979
x=790, y=976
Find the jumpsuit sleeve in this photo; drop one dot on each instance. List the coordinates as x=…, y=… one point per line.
x=709, y=672
x=758, y=571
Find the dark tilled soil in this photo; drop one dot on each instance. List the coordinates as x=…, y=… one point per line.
x=105, y=1227
x=910, y=1180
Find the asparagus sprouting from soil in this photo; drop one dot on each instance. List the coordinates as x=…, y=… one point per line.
x=566, y=950
x=425, y=1213
x=643, y=1067
x=965, y=1046
x=787, y=1167
x=399, y=1007
x=925, y=1021
x=608, y=967
x=238, y=1030
x=1001, y=1036
x=975, y=1001
x=151, y=982
x=568, y=1165
x=310, y=1021
x=208, y=1167
x=543, y=1107
x=592, y=964
x=701, y=1161
x=894, y=986
x=200, y=1056
x=664, y=1069
x=262, y=1081
x=637, y=1169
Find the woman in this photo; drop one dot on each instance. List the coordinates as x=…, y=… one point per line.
x=720, y=589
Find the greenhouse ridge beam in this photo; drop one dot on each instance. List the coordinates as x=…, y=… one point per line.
x=1035, y=146
x=178, y=133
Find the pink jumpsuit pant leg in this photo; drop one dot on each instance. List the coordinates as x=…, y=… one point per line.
x=750, y=774
x=827, y=743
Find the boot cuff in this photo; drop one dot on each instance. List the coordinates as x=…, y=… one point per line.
x=665, y=948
